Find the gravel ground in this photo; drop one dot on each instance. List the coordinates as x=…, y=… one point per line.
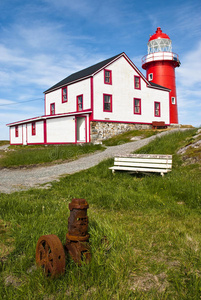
x=23, y=179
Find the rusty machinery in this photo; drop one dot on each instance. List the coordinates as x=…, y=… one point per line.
x=50, y=253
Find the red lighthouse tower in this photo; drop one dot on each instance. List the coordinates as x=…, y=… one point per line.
x=160, y=64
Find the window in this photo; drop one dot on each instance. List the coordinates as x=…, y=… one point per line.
x=157, y=110
x=150, y=77
x=173, y=100
x=33, y=125
x=107, y=103
x=137, y=106
x=64, y=94
x=16, y=131
x=52, y=109
x=137, y=82
x=108, y=76
x=80, y=103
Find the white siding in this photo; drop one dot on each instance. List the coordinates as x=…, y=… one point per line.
x=80, y=88
x=61, y=130
x=123, y=93
x=38, y=138
x=13, y=139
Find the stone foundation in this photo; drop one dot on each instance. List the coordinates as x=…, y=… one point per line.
x=104, y=130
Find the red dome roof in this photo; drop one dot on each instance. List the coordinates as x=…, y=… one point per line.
x=159, y=35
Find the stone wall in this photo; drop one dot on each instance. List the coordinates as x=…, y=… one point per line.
x=104, y=130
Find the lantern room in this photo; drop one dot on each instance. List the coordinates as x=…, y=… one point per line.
x=159, y=42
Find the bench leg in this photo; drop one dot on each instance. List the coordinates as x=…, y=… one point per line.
x=113, y=171
x=162, y=174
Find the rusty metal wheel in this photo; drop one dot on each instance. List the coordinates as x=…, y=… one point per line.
x=50, y=255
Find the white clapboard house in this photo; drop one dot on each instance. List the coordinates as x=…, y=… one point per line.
x=107, y=98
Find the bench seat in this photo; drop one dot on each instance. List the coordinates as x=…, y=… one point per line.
x=158, y=125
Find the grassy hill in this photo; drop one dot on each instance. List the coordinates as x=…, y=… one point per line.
x=152, y=225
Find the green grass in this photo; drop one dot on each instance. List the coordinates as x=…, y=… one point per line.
x=126, y=136
x=2, y=143
x=167, y=144
x=33, y=155
x=152, y=224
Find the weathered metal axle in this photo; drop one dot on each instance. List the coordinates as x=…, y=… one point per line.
x=50, y=252
x=77, y=237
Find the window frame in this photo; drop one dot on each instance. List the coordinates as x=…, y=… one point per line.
x=16, y=131
x=52, y=105
x=33, y=128
x=105, y=110
x=159, y=109
x=62, y=94
x=150, y=77
x=135, y=87
x=110, y=76
x=173, y=100
x=134, y=106
x=78, y=103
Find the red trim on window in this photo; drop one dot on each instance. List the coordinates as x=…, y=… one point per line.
x=109, y=109
x=16, y=131
x=136, y=107
x=137, y=82
x=80, y=105
x=107, y=76
x=52, y=109
x=157, y=109
x=33, y=128
x=64, y=96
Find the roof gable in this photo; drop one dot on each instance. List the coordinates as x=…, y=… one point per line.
x=83, y=73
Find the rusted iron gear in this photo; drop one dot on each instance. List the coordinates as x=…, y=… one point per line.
x=50, y=255
x=79, y=251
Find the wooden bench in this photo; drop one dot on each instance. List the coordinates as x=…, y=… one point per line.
x=158, y=125
x=156, y=163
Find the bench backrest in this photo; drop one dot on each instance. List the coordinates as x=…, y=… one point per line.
x=145, y=160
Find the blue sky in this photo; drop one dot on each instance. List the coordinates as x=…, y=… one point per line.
x=43, y=41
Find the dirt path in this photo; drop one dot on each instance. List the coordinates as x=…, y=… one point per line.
x=23, y=179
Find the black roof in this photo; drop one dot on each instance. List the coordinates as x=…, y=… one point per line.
x=83, y=73
x=157, y=85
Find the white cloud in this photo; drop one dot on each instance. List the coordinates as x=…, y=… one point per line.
x=5, y=102
x=189, y=73
x=189, y=87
